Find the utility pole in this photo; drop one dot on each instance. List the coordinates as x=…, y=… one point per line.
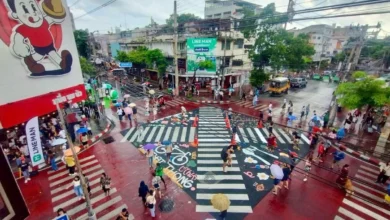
x=175, y=48
x=224, y=60
x=290, y=10
x=91, y=213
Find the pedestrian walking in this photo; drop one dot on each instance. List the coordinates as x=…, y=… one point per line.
x=226, y=157
x=308, y=163
x=384, y=173
x=276, y=186
x=24, y=167
x=76, y=183
x=86, y=180
x=70, y=164
x=150, y=156
x=156, y=180
x=254, y=101
x=314, y=141
x=270, y=108
x=124, y=215
x=140, y=131
x=62, y=212
x=151, y=202
x=154, y=112
x=270, y=127
x=337, y=157
x=321, y=152
x=168, y=151
x=135, y=114
x=243, y=96
x=303, y=112
x=343, y=176
x=52, y=160
x=105, y=183
x=286, y=175
x=284, y=106
x=119, y=112
x=387, y=195
x=261, y=116
x=271, y=143
x=160, y=173
x=84, y=139
x=307, y=110
x=311, y=125
x=326, y=119
x=143, y=192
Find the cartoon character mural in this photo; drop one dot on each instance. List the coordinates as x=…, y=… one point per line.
x=32, y=39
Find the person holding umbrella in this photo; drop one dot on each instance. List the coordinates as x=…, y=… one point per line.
x=149, y=153
x=278, y=175
x=168, y=149
x=221, y=202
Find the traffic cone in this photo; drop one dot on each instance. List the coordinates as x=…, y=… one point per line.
x=195, y=143
x=195, y=122
x=260, y=124
x=233, y=141
x=227, y=122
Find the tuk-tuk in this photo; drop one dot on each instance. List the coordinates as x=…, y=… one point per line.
x=279, y=85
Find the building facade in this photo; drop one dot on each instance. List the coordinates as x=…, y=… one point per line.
x=215, y=9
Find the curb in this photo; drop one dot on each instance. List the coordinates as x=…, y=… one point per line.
x=213, y=102
x=357, y=154
x=97, y=137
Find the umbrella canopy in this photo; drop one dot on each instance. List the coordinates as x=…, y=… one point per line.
x=146, y=83
x=146, y=99
x=128, y=111
x=118, y=104
x=291, y=117
x=276, y=171
x=284, y=159
x=220, y=202
x=160, y=96
x=69, y=152
x=58, y=142
x=166, y=142
x=132, y=105
x=107, y=86
x=87, y=86
x=82, y=130
x=149, y=146
x=126, y=96
x=114, y=94
x=151, y=92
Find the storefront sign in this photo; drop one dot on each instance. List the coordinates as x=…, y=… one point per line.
x=34, y=142
x=201, y=49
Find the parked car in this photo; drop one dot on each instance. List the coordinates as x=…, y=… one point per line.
x=298, y=82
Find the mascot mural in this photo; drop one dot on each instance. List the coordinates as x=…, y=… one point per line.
x=35, y=35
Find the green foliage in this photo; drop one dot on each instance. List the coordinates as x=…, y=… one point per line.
x=206, y=64
x=122, y=56
x=81, y=38
x=258, y=77
x=324, y=64
x=366, y=92
x=359, y=74
x=87, y=67
x=182, y=18
x=340, y=57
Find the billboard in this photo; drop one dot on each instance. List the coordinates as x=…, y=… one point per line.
x=201, y=49
x=39, y=59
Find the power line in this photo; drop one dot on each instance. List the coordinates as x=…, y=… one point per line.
x=96, y=9
x=74, y=3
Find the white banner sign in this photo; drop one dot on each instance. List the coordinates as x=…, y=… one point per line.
x=34, y=141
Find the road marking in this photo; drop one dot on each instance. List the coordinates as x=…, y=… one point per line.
x=305, y=139
x=278, y=137
x=214, y=140
x=66, y=178
x=364, y=210
x=349, y=214
x=135, y=135
x=220, y=177
x=192, y=134
x=251, y=134
x=257, y=130
x=367, y=174
x=102, y=207
x=376, y=171
x=151, y=134
x=215, y=169
x=66, y=171
x=338, y=218
x=232, y=209
x=63, y=167
x=363, y=178
x=210, y=122
x=213, y=135
x=369, y=195
x=114, y=213
x=213, y=155
x=70, y=192
x=175, y=134
x=221, y=186
x=265, y=130
x=183, y=134
x=243, y=134
x=208, y=129
x=214, y=161
x=214, y=144
x=127, y=134
x=387, y=212
x=168, y=134
x=371, y=189
x=219, y=132
x=144, y=133
x=160, y=132
x=285, y=135
x=210, y=149
x=208, y=196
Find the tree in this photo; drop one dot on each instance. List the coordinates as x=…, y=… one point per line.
x=182, y=18
x=122, y=56
x=367, y=91
x=87, y=67
x=298, y=49
x=258, y=77
x=340, y=57
x=81, y=38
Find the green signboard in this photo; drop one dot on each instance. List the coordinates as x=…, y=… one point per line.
x=201, y=49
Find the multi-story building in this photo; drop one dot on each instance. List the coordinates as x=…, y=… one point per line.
x=227, y=8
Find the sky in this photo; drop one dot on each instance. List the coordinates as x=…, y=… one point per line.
x=129, y=14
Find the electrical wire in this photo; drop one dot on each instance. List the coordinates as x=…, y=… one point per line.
x=74, y=3
x=96, y=9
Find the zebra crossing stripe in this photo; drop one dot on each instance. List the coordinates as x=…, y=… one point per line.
x=144, y=133
x=214, y=140
x=151, y=134
x=220, y=177
x=70, y=192
x=168, y=134
x=257, y=130
x=243, y=134
x=285, y=135
x=210, y=149
x=135, y=135
x=63, y=167
x=212, y=144
x=213, y=155
x=192, y=134
x=114, y=213
x=102, y=207
x=251, y=134
x=232, y=209
x=175, y=134
x=305, y=139
x=160, y=132
x=127, y=134
x=214, y=162
x=221, y=186
x=208, y=196
x=183, y=134
x=217, y=169
x=262, y=107
x=71, y=177
x=66, y=171
x=278, y=137
x=349, y=214
x=213, y=135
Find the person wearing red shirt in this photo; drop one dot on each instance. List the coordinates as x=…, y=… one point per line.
x=271, y=143
x=321, y=152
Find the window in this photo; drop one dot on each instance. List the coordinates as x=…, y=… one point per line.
x=239, y=43
x=227, y=45
x=237, y=63
x=217, y=15
x=182, y=45
x=227, y=61
x=209, y=16
x=318, y=38
x=227, y=13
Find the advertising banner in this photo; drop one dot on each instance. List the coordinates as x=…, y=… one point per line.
x=201, y=49
x=39, y=59
x=34, y=141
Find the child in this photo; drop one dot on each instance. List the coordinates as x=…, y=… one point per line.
x=349, y=187
x=156, y=183
x=308, y=166
x=271, y=143
x=321, y=152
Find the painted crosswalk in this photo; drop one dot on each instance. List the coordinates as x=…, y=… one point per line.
x=213, y=137
x=249, y=104
x=367, y=201
x=63, y=195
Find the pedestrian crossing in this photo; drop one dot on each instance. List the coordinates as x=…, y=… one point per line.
x=179, y=133
x=213, y=137
x=249, y=104
x=367, y=201
x=63, y=195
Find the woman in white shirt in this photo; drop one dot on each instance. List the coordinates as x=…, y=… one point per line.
x=119, y=112
x=149, y=155
x=151, y=202
x=384, y=173
x=76, y=183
